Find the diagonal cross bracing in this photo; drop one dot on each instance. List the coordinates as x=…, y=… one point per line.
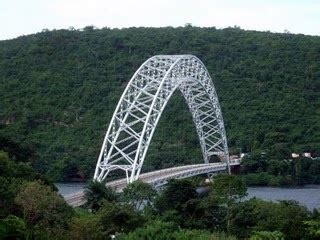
x=142, y=103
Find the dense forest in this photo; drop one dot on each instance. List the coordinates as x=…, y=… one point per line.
x=59, y=89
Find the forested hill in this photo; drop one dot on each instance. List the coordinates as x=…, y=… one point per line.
x=59, y=89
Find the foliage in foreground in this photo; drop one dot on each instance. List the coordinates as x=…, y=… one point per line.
x=159, y=230
x=266, y=235
x=96, y=193
x=34, y=210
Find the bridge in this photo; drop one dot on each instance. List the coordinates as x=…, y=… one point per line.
x=137, y=114
x=158, y=178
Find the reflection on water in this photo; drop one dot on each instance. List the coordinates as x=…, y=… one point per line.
x=308, y=195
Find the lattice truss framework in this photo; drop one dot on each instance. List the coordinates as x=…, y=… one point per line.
x=142, y=103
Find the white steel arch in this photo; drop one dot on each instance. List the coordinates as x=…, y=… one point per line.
x=139, y=109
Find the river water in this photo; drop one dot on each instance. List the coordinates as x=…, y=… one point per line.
x=66, y=189
x=308, y=195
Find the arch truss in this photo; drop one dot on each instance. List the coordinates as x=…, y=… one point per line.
x=140, y=107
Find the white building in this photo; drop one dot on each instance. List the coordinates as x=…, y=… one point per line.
x=295, y=155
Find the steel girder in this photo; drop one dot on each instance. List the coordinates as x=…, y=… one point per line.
x=140, y=107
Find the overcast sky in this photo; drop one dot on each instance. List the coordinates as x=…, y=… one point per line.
x=22, y=17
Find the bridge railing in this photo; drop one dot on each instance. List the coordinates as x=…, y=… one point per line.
x=164, y=172
x=198, y=170
x=171, y=169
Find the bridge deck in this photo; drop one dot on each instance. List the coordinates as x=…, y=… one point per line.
x=158, y=178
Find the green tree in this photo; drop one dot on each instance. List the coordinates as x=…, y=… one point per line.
x=86, y=227
x=13, y=227
x=243, y=218
x=13, y=175
x=115, y=217
x=175, y=194
x=265, y=235
x=156, y=230
x=96, y=193
x=232, y=188
x=225, y=192
x=159, y=230
x=286, y=217
x=313, y=228
x=139, y=193
x=43, y=208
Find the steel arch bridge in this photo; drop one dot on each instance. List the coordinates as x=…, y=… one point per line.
x=140, y=107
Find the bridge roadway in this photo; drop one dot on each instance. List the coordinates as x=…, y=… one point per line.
x=158, y=178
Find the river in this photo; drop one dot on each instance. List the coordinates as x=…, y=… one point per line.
x=66, y=189
x=308, y=195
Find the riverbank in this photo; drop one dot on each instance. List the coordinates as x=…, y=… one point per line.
x=264, y=179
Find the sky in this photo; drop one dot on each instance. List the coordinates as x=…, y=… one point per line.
x=23, y=17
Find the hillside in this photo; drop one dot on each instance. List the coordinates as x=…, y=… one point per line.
x=59, y=89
